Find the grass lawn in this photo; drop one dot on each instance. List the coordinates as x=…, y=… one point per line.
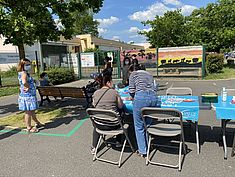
x=226, y=73
x=5, y=91
x=44, y=115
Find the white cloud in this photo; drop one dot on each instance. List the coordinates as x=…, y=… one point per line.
x=116, y=38
x=134, y=29
x=107, y=21
x=147, y=29
x=58, y=24
x=172, y=2
x=102, y=30
x=187, y=9
x=149, y=14
x=160, y=9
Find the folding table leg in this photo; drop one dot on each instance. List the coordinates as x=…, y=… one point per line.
x=197, y=138
x=224, y=137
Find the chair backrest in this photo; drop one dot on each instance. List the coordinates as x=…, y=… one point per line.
x=179, y=91
x=104, y=117
x=231, y=92
x=160, y=114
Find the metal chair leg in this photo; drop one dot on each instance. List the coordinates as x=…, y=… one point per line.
x=148, y=150
x=233, y=148
x=120, y=158
x=96, y=149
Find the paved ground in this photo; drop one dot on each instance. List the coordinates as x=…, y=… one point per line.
x=62, y=148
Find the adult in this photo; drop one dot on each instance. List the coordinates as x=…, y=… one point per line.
x=141, y=88
x=108, y=70
x=125, y=70
x=106, y=98
x=27, y=97
x=134, y=59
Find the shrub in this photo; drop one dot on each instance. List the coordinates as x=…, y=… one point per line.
x=11, y=72
x=214, y=63
x=61, y=75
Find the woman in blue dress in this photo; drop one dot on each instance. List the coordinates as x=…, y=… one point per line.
x=27, y=97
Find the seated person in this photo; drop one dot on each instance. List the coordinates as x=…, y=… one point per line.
x=106, y=98
x=44, y=81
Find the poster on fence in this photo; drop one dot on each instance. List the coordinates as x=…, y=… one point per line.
x=146, y=57
x=87, y=59
x=180, y=61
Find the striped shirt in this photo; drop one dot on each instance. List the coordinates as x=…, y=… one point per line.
x=140, y=80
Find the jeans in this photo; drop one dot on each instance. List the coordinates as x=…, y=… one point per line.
x=146, y=98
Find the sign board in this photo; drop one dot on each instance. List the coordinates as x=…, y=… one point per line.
x=180, y=61
x=87, y=59
x=146, y=57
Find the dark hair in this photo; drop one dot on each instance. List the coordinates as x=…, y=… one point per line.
x=135, y=67
x=108, y=65
x=107, y=59
x=126, y=59
x=135, y=61
x=105, y=79
x=21, y=64
x=43, y=75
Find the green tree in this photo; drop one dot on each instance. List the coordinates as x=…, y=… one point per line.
x=168, y=30
x=85, y=24
x=24, y=21
x=214, y=25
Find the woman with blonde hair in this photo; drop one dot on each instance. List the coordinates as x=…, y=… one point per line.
x=27, y=97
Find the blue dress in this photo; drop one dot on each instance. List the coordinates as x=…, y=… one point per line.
x=27, y=100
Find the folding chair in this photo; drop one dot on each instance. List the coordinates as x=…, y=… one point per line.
x=164, y=130
x=182, y=91
x=108, y=118
x=231, y=92
x=179, y=91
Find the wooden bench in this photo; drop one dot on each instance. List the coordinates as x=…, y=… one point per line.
x=62, y=92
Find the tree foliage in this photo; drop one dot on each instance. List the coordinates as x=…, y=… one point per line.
x=212, y=26
x=24, y=21
x=167, y=31
x=85, y=24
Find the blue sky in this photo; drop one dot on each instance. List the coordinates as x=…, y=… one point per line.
x=121, y=19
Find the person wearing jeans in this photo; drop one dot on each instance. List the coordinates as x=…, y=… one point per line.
x=142, y=89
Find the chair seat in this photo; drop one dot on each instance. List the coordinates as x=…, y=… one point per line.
x=112, y=132
x=164, y=129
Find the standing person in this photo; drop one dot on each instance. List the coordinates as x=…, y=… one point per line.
x=142, y=90
x=134, y=59
x=106, y=98
x=125, y=71
x=27, y=97
x=108, y=70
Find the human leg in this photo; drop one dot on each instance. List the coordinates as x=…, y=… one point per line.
x=27, y=119
x=34, y=117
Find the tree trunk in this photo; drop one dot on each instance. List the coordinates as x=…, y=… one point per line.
x=21, y=51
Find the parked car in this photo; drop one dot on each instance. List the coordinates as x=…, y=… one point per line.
x=229, y=55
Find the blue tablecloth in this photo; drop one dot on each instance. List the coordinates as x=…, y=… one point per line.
x=225, y=110
x=188, y=105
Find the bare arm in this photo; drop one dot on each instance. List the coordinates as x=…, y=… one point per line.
x=119, y=101
x=24, y=81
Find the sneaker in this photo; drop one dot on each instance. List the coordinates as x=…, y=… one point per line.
x=92, y=150
x=140, y=154
x=118, y=144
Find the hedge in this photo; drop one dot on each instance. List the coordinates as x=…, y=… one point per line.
x=60, y=75
x=214, y=63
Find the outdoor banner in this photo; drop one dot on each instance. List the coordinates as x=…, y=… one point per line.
x=87, y=59
x=145, y=56
x=180, y=60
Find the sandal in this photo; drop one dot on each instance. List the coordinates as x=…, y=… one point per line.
x=32, y=130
